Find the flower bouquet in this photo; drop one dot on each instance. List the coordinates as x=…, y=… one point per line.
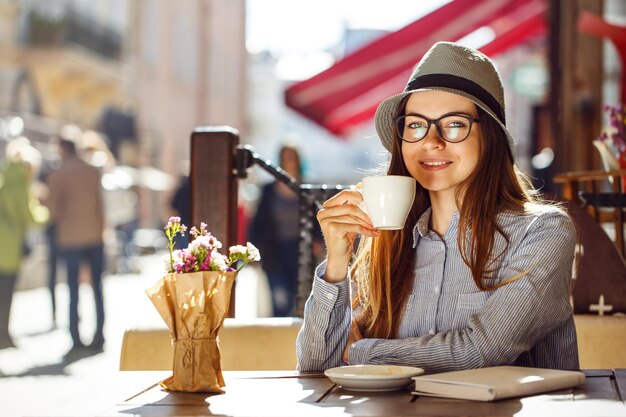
x=193, y=300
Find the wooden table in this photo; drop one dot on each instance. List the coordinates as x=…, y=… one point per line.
x=284, y=393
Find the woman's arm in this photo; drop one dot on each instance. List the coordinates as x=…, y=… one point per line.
x=327, y=316
x=327, y=312
x=512, y=320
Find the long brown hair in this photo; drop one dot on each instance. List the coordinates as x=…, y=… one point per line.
x=384, y=265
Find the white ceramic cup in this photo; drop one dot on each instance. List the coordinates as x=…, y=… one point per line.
x=388, y=200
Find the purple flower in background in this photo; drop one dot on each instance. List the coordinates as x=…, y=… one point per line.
x=615, y=137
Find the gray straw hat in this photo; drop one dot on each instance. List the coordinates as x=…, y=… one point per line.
x=456, y=69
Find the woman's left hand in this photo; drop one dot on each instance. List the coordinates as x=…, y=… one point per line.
x=354, y=336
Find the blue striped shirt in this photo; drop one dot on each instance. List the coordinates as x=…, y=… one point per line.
x=449, y=324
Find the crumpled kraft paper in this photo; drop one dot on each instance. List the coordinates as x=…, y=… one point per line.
x=194, y=305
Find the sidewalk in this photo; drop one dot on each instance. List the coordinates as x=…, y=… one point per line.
x=36, y=368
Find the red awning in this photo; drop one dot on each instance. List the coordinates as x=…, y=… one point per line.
x=347, y=94
x=595, y=25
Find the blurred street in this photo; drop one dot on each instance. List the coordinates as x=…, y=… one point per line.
x=36, y=369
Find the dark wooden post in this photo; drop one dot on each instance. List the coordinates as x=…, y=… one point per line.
x=576, y=85
x=214, y=185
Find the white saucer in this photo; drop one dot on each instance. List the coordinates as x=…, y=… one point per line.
x=373, y=377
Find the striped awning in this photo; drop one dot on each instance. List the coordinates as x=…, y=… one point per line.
x=347, y=94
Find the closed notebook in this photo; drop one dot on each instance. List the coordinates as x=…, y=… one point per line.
x=489, y=384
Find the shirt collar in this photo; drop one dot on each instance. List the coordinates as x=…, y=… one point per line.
x=422, y=228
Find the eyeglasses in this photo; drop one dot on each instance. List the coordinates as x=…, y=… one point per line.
x=451, y=127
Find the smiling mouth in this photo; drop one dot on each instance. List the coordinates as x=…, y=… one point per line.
x=435, y=163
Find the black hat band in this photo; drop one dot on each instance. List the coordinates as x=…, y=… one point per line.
x=458, y=83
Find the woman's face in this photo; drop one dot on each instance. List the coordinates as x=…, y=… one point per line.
x=440, y=166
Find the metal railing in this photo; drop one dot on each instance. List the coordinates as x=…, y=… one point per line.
x=310, y=196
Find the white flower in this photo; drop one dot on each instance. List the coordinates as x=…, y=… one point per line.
x=200, y=241
x=218, y=261
x=253, y=252
x=166, y=261
x=214, y=242
x=238, y=249
x=177, y=258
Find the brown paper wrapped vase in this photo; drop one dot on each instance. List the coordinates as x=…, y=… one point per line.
x=194, y=306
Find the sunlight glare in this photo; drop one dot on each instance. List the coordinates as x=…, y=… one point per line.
x=289, y=26
x=302, y=66
x=478, y=38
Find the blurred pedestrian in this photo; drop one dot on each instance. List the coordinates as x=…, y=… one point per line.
x=76, y=206
x=74, y=132
x=53, y=260
x=181, y=203
x=53, y=253
x=18, y=210
x=274, y=230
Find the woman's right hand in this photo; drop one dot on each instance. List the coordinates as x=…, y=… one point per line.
x=341, y=219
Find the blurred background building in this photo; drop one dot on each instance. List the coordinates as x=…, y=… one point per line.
x=143, y=74
x=139, y=75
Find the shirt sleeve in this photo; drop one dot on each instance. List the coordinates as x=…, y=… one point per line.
x=513, y=319
x=327, y=316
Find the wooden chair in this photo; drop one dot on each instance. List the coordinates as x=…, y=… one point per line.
x=601, y=341
x=602, y=194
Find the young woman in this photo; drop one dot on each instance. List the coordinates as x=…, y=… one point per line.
x=480, y=274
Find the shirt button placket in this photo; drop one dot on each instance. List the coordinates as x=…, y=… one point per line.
x=441, y=255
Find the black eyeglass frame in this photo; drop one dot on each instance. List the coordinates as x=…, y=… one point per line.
x=470, y=119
